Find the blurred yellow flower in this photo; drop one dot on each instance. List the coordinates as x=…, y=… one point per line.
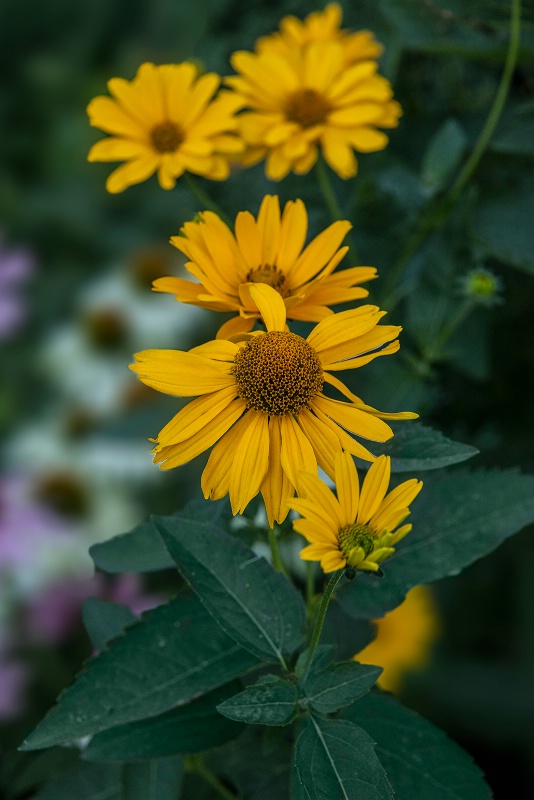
x=321, y=26
x=309, y=99
x=260, y=399
x=165, y=120
x=353, y=529
x=403, y=639
x=268, y=250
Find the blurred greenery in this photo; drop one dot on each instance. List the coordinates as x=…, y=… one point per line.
x=474, y=382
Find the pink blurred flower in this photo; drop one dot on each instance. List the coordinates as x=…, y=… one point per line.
x=16, y=267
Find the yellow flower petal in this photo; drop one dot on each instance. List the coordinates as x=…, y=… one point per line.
x=276, y=488
x=348, y=487
x=180, y=374
x=269, y=228
x=195, y=415
x=215, y=481
x=374, y=488
x=353, y=419
x=318, y=252
x=318, y=492
x=235, y=326
x=296, y=453
x=269, y=304
x=131, y=173
x=250, y=462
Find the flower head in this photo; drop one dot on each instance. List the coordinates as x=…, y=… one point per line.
x=482, y=287
x=165, y=120
x=404, y=638
x=321, y=26
x=261, y=402
x=355, y=529
x=267, y=250
x=309, y=99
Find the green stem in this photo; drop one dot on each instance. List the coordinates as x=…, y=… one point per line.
x=330, y=199
x=310, y=585
x=201, y=769
x=203, y=197
x=439, y=212
x=278, y=564
x=319, y=620
x=434, y=351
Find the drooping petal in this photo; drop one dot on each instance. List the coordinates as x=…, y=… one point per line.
x=296, y=453
x=181, y=374
x=269, y=304
x=276, y=488
x=250, y=461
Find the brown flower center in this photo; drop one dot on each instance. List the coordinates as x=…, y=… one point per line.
x=270, y=275
x=278, y=373
x=307, y=108
x=356, y=536
x=64, y=494
x=166, y=137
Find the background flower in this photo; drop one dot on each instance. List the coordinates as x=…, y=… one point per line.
x=16, y=267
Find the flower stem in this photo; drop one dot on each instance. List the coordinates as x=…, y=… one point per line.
x=203, y=197
x=433, y=353
x=439, y=212
x=278, y=564
x=198, y=766
x=310, y=586
x=319, y=620
x=330, y=199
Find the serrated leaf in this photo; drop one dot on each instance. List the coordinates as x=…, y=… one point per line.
x=443, y=155
x=272, y=701
x=174, y=653
x=457, y=518
x=104, y=621
x=415, y=448
x=191, y=728
x=339, y=685
x=85, y=782
x=252, y=602
x=420, y=760
x=141, y=549
x=336, y=759
x=154, y=780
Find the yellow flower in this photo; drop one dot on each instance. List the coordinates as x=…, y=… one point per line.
x=355, y=529
x=268, y=250
x=260, y=399
x=309, y=99
x=321, y=26
x=403, y=639
x=165, y=121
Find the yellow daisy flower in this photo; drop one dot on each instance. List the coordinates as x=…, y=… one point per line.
x=165, y=120
x=355, y=529
x=403, y=639
x=268, y=251
x=261, y=402
x=321, y=26
x=309, y=99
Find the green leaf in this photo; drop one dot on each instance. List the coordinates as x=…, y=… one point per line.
x=457, y=518
x=336, y=759
x=503, y=226
x=271, y=701
x=338, y=685
x=191, y=728
x=420, y=760
x=141, y=550
x=443, y=155
x=86, y=782
x=155, y=780
x=415, y=448
x=104, y=621
x=252, y=602
x=174, y=653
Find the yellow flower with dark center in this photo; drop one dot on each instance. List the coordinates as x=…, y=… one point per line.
x=308, y=99
x=260, y=401
x=268, y=250
x=165, y=120
x=321, y=26
x=355, y=529
x=404, y=638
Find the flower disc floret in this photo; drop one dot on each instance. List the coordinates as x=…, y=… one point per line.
x=307, y=108
x=356, y=536
x=270, y=275
x=278, y=373
x=166, y=137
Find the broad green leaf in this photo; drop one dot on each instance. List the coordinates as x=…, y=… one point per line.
x=420, y=760
x=515, y=134
x=271, y=701
x=141, y=550
x=415, y=448
x=191, y=728
x=160, y=779
x=443, y=155
x=503, y=226
x=173, y=654
x=336, y=759
x=86, y=782
x=457, y=518
x=252, y=602
x=338, y=685
x=104, y=621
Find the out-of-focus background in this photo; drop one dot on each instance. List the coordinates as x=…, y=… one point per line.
x=76, y=265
